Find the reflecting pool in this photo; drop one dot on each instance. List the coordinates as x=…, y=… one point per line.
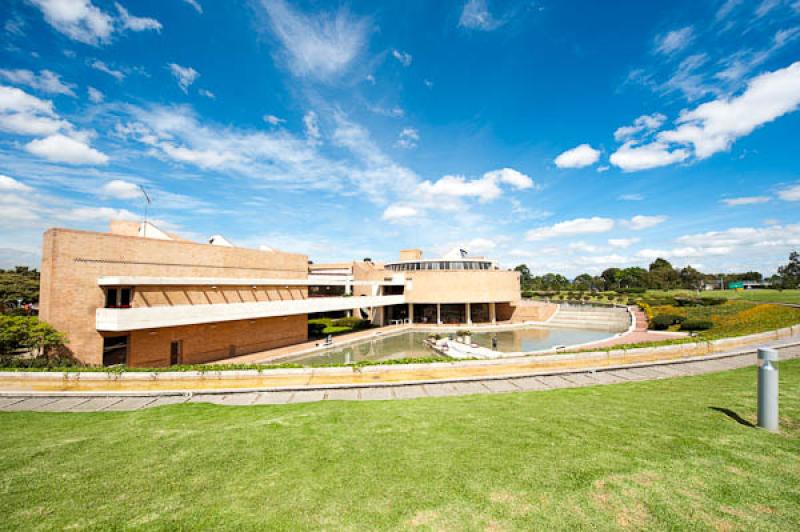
x=411, y=345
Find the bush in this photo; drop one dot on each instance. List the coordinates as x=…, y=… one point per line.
x=28, y=333
x=696, y=325
x=315, y=329
x=712, y=301
x=663, y=322
x=353, y=323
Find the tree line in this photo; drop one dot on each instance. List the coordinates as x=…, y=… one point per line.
x=660, y=275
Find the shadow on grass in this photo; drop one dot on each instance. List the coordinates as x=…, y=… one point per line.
x=733, y=415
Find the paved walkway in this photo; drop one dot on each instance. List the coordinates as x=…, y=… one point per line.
x=639, y=335
x=543, y=381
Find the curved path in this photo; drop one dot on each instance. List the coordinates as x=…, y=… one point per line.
x=543, y=380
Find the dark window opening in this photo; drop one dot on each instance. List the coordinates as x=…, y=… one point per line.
x=115, y=350
x=119, y=297
x=393, y=290
x=175, y=352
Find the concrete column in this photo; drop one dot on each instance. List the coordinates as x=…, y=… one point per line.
x=469, y=314
x=410, y=313
x=438, y=313
x=492, y=313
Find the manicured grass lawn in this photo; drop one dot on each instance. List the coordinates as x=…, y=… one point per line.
x=639, y=455
x=761, y=296
x=736, y=318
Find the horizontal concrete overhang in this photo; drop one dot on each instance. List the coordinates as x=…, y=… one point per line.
x=312, y=280
x=131, y=319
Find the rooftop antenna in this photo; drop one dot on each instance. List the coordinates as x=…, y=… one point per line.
x=146, y=205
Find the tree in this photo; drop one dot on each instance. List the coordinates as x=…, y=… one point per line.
x=19, y=283
x=583, y=282
x=790, y=273
x=28, y=332
x=634, y=277
x=524, y=276
x=691, y=278
x=611, y=276
x=662, y=275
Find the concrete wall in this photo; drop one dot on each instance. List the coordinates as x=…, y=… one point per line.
x=72, y=261
x=206, y=343
x=523, y=311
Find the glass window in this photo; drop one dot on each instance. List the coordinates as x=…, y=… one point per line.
x=111, y=298
x=115, y=350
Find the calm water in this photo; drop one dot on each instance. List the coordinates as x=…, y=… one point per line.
x=410, y=345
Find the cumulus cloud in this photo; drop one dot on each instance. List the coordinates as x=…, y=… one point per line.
x=631, y=157
x=403, y=57
x=485, y=189
x=129, y=22
x=62, y=149
x=642, y=125
x=84, y=22
x=95, y=96
x=9, y=184
x=746, y=200
x=319, y=46
x=120, y=189
x=184, y=75
x=674, y=41
x=577, y=226
x=578, y=157
x=639, y=222
x=46, y=81
x=394, y=213
x=791, y=193
x=409, y=137
x=476, y=16
x=106, y=69
x=622, y=242
x=24, y=114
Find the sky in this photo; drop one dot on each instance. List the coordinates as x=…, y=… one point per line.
x=568, y=135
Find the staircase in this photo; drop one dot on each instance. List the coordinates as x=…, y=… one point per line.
x=592, y=318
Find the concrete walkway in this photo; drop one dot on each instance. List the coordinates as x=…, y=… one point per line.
x=77, y=402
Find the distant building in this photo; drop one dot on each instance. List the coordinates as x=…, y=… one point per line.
x=144, y=297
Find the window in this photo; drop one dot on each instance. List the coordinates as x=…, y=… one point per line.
x=175, y=352
x=115, y=350
x=119, y=297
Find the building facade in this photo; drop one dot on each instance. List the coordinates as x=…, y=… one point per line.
x=146, y=298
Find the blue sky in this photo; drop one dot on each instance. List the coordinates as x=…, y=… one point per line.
x=568, y=135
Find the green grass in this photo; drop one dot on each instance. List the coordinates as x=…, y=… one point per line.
x=759, y=296
x=639, y=455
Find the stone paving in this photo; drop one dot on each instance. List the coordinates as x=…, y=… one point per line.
x=566, y=379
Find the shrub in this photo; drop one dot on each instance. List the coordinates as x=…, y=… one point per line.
x=353, y=323
x=663, y=322
x=712, y=301
x=28, y=333
x=696, y=325
x=315, y=329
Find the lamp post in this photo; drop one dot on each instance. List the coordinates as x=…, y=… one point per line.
x=768, y=389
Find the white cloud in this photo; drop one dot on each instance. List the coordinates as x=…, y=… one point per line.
x=311, y=124
x=744, y=237
x=93, y=214
x=409, y=137
x=63, y=149
x=184, y=75
x=24, y=114
x=583, y=247
x=791, y=193
x=479, y=245
x=207, y=93
x=77, y=19
x=674, y=41
x=486, y=188
x=272, y=119
x=577, y=226
x=622, y=242
x=103, y=67
x=726, y=8
x=195, y=4
x=95, y=96
x=644, y=124
x=630, y=157
x=9, y=184
x=403, y=57
x=746, y=200
x=476, y=16
x=714, y=126
x=320, y=46
x=631, y=197
x=46, y=81
x=578, y=157
x=120, y=189
x=766, y=6
x=399, y=212
x=639, y=222
x=129, y=22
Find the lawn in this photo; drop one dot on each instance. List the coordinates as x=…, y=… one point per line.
x=638, y=455
x=756, y=295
